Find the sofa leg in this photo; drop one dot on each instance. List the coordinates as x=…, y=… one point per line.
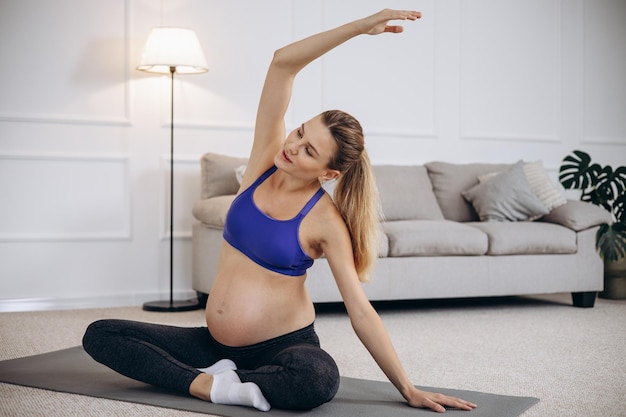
x=584, y=299
x=202, y=299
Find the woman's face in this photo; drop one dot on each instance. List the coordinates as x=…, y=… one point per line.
x=307, y=151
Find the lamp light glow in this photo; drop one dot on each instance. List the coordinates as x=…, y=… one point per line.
x=172, y=47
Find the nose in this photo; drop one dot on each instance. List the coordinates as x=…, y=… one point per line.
x=291, y=148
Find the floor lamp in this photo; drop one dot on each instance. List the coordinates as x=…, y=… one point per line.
x=172, y=50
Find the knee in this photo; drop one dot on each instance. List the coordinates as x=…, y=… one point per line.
x=323, y=383
x=94, y=334
x=315, y=379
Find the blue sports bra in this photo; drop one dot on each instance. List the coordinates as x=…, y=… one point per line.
x=271, y=243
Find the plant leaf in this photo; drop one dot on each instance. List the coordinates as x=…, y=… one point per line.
x=619, y=209
x=619, y=181
x=603, y=194
x=577, y=172
x=611, y=241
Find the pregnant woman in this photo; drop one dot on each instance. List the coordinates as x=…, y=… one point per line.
x=259, y=347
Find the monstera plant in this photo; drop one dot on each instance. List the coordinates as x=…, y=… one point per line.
x=604, y=187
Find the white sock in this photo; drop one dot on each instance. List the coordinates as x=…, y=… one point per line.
x=228, y=389
x=219, y=367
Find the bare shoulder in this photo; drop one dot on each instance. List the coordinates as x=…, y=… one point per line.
x=326, y=213
x=324, y=225
x=332, y=239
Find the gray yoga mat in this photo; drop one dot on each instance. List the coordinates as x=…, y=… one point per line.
x=73, y=371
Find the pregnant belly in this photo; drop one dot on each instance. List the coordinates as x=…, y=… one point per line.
x=242, y=312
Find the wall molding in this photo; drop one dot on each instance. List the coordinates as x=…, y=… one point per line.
x=26, y=117
x=99, y=301
x=589, y=139
x=64, y=156
x=518, y=136
x=604, y=140
x=400, y=133
x=67, y=119
x=207, y=125
x=187, y=160
x=509, y=137
x=123, y=159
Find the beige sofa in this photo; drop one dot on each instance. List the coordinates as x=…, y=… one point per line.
x=433, y=243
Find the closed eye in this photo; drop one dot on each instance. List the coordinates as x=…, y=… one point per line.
x=306, y=148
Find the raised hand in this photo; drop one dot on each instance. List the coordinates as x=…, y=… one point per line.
x=378, y=23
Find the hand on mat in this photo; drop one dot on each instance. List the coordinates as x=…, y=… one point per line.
x=436, y=402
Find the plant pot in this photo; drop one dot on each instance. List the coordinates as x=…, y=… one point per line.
x=614, y=280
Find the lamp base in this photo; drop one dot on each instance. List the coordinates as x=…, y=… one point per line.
x=172, y=306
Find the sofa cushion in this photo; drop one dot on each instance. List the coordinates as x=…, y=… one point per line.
x=524, y=238
x=433, y=238
x=449, y=180
x=506, y=196
x=218, y=174
x=578, y=215
x=212, y=211
x=406, y=193
x=383, y=243
x=539, y=183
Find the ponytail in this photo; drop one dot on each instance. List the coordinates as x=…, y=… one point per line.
x=356, y=195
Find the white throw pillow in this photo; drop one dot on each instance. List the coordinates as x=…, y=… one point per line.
x=542, y=186
x=239, y=171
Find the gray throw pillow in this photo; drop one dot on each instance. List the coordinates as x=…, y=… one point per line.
x=506, y=197
x=450, y=180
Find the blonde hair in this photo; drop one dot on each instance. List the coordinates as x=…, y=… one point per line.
x=356, y=195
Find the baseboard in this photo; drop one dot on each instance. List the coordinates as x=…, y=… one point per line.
x=107, y=301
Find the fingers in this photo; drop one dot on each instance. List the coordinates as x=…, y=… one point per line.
x=400, y=15
x=455, y=403
x=394, y=29
x=405, y=15
x=378, y=23
x=411, y=15
x=439, y=402
x=433, y=405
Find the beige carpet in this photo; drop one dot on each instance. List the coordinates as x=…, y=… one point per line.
x=573, y=359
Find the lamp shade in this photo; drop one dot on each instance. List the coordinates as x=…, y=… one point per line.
x=169, y=47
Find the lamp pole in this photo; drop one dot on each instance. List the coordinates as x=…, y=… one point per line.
x=171, y=305
x=172, y=71
x=170, y=50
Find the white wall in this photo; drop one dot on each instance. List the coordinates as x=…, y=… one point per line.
x=84, y=137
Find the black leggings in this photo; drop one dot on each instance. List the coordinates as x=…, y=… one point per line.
x=292, y=371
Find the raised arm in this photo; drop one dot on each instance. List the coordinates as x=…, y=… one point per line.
x=269, y=131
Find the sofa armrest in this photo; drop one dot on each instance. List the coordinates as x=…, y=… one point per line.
x=212, y=211
x=578, y=215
